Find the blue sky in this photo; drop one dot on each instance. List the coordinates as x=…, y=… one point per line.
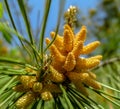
x=38, y=5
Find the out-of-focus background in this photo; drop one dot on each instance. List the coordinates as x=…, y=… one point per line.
x=102, y=19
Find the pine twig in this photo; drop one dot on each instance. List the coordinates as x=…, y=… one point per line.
x=109, y=61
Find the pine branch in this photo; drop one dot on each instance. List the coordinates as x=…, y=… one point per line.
x=109, y=61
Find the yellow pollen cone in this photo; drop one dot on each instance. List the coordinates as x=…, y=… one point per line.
x=56, y=54
x=99, y=57
x=37, y=87
x=20, y=88
x=81, y=36
x=46, y=95
x=25, y=101
x=77, y=49
x=67, y=27
x=70, y=62
x=58, y=42
x=90, y=47
x=92, y=75
x=58, y=38
x=47, y=41
x=75, y=77
x=89, y=63
x=55, y=76
x=90, y=82
x=68, y=41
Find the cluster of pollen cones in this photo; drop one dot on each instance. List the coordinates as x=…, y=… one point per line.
x=66, y=64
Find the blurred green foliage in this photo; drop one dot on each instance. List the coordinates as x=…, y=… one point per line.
x=104, y=24
x=1, y=10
